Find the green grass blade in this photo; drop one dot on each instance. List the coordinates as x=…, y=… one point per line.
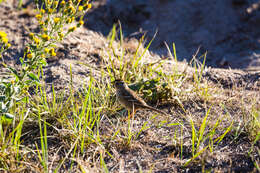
x=202, y=129
x=194, y=137
x=194, y=157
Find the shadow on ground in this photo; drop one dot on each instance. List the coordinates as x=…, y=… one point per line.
x=228, y=29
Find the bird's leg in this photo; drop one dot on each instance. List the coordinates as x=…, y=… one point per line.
x=133, y=112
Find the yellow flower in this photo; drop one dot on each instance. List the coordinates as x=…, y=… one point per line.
x=52, y=52
x=5, y=40
x=46, y=50
x=87, y=6
x=69, y=20
x=43, y=55
x=8, y=45
x=49, y=2
x=56, y=20
x=71, y=9
x=31, y=35
x=42, y=11
x=45, y=37
x=2, y=34
x=80, y=8
x=81, y=22
x=41, y=23
x=38, y=16
x=50, y=10
x=44, y=29
x=71, y=29
x=29, y=55
x=62, y=3
x=61, y=35
x=36, y=40
x=55, y=4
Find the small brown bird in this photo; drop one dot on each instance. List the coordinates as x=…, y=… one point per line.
x=129, y=99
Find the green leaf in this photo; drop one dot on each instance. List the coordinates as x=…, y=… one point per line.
x=43, y=62
x=194, y=136
x=14, y=72
x=219, y=139
x=202, y=129
x=33, y=77
x=195, y=156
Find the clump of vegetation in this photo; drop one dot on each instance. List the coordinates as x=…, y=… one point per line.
x=52, y=16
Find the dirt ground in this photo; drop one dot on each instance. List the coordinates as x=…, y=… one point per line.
x=227, y=29
x=176, y=21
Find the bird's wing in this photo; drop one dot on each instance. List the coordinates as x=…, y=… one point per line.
x=133, y=97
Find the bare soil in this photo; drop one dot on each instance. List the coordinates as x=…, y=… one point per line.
x=227, y=29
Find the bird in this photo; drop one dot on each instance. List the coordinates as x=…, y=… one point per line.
x=130, y=100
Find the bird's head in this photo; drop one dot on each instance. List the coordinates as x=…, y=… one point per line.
x=119, y=83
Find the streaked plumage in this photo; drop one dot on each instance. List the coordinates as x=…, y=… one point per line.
x=129, y=99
